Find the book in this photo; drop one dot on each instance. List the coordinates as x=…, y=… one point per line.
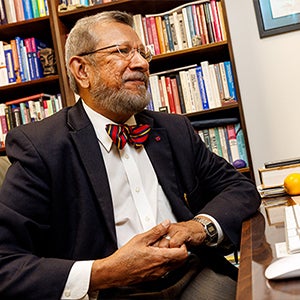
x=195, y=90
x=15, y=60
x=35, y=8
x=19, y=10
x=27, y=7
x=42, y=8
x=184, y=80
x=176, y=97
x=166, y=20
x=31, y=64
x=153, y=79
x=3, y=17
x=3, y=67
x=272, y=177
x=36, y=46
x=170, y=95
x=10, y=11
x=9, y=63
x=282, y=162
x=19, y=54
x=160, y=34
x=154, y=35
x=202, y=89
x=208, y=85
x=3, y=123
x=232, y=142
x=216, y=20
x=230, y=80
x=241, y=143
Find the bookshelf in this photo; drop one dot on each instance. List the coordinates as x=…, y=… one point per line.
x=53, y=30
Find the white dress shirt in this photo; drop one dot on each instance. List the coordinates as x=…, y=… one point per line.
x=138, y=200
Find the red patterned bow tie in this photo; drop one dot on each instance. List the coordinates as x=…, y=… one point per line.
x=134, y=135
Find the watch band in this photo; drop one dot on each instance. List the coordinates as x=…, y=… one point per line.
x=210, y=229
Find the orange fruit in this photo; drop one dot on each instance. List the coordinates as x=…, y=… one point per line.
x=292, y=184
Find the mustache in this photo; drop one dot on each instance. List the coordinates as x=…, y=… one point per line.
x=135, y=76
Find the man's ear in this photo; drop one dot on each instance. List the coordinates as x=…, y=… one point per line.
x=80, y=70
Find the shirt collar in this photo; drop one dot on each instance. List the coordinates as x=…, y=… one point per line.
x=99, y=123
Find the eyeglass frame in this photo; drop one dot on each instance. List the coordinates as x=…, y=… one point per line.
x=117, y=46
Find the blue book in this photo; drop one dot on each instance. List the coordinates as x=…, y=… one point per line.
x=169, y=32
x=36, y=46
x=27, y=7
x=203, y=95
x=191, y=22
x=19, y=52
x=229, y=77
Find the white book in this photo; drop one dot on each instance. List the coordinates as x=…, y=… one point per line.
x=214, y=85
x=139, y=28
x=10, y=11
x=186, y=26
x=184, y=77
x=177, y=30
x=3, y=68
x=195, y=91
x=165, y=93
x=153, y=79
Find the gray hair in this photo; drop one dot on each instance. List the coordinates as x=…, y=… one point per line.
x=82, y=37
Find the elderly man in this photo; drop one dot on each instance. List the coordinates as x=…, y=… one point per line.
x=105, y=199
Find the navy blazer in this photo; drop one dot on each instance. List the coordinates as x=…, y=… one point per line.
x=56, y=207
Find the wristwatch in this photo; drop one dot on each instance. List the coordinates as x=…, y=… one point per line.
x=210, y=229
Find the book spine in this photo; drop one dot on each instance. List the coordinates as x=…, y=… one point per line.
x=230, y=80
x=170, y=95
x=208, y=85
x=3, y=67
x=153, y=79
x=160, y=34
x=42, y=8
x=19, y=10
x=9, y=64
x=19, y=52
x=233, y=142
x=241, y=143
x=216, y=21
x=176, y=95
x=10, y=11
x=191, y=27
x=173, y=32
x=35, y=9
x=31, y=65
x=154, y=35
x=196, y=98
x=3, y=16
x=27, y=7
x=180, y=92
x=169, y=32
x=208, y=23
x=25, y=62
x=202, y=89
x=36, y=60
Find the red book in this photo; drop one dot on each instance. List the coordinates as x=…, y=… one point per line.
x=154, y=35
x=216, y=20
x=170, y=95
x=176, y=95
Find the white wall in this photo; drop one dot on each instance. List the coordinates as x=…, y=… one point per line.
x=269, y=78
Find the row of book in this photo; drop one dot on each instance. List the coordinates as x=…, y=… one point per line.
x=228, y=142
x=73, y=4
x=25, y=110
x=20, y=60
x=193, y=88
x=19, y=10
x=192, y=24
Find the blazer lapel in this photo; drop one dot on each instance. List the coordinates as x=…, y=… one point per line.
x=87, y=145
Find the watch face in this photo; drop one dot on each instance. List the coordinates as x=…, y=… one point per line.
x=211, y=229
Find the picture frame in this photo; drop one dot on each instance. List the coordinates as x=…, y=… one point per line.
x=276, y=16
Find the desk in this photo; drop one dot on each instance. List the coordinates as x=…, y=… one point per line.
x=257, y=252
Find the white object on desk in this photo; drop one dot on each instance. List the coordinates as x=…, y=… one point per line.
x=285, y=267
x=292, y=228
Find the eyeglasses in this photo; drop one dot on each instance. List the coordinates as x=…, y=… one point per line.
x=127, y=52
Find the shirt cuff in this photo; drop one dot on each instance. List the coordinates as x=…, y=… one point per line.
x=78, y=282
x=218, y=227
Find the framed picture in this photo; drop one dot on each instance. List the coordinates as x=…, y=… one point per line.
x=277, y=16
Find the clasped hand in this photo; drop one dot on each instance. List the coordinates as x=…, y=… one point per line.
x=147, y=256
